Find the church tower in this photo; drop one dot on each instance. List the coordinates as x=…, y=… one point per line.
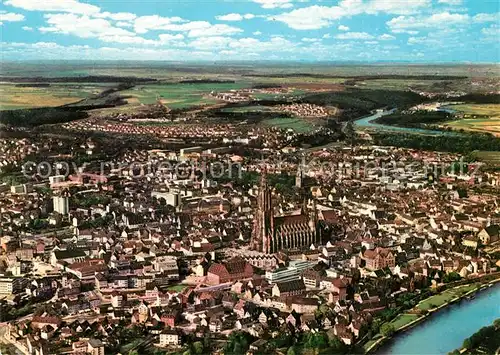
x=274, y=233
x=264, y=217
x=299, y=177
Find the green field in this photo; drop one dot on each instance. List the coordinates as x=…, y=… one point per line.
x=490, y=125
x=18, y=97
x=491, y=110
x=444, y=297
x=179, y=95
x=487, y=157
x=403, y=319
x=394, y=84
x=177, y=288
x=297, y=124
x=252, y=108
x=477, y=118
x=372, y=341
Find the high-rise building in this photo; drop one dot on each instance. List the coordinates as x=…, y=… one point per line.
x=61, y=204
x=276, y=233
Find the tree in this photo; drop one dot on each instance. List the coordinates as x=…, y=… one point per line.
x=317, y=340
x=292, y=351
x=350, y=132
x=375, y=326
x=207, y=342
x=238, y=343
x=496, y=323
x=336, y=344
x=387, y=329
x=198, y=347
x=452, y=276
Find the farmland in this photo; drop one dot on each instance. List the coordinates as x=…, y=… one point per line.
x=490, y=157
x=178, y=95
x=18, y=97
x=475, y=110
x=250, y=108
x=477, y=118
x=477, y=125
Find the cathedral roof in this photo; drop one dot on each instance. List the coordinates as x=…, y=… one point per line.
x=291, y=220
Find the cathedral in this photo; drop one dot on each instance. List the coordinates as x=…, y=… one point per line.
x=273, y=233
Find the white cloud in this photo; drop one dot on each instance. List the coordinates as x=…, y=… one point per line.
x=326, y=36
x=10, y=17
x=124, y=24
x=128, y=40
x=450, y=2
x=211, y=43
x=71, y=6
x=310, y=40
x=354, y=35
x=398, y=7
x=310, y=18
x=273, y=4
x=386, y=37
x=235, y=17
x=257, y=33
x=492, y=31
x=343, y=28
x=440, y=20
x=143, y=24
x=119, y=16
x=315, y=17
x=276, y=48
x=428, y=41
x=167, y=37
x=90, y=27
x=479, y=18
x=243, y=46
x=84, y=27
x=213, y=30
x=27, y=28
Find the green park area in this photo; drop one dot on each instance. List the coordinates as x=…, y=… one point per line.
x=402, y=320
x=445, y=297
x=177, y=288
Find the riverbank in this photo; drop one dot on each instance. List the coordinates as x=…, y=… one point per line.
x=369, y=123
x=379, y=340
x=485, y=341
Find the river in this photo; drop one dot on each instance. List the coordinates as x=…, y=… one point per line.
x=368, y=123
x=446, y=329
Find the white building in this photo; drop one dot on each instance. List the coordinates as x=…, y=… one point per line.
x=61, y=204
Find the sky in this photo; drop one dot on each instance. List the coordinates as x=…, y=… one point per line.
x=277, y=30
